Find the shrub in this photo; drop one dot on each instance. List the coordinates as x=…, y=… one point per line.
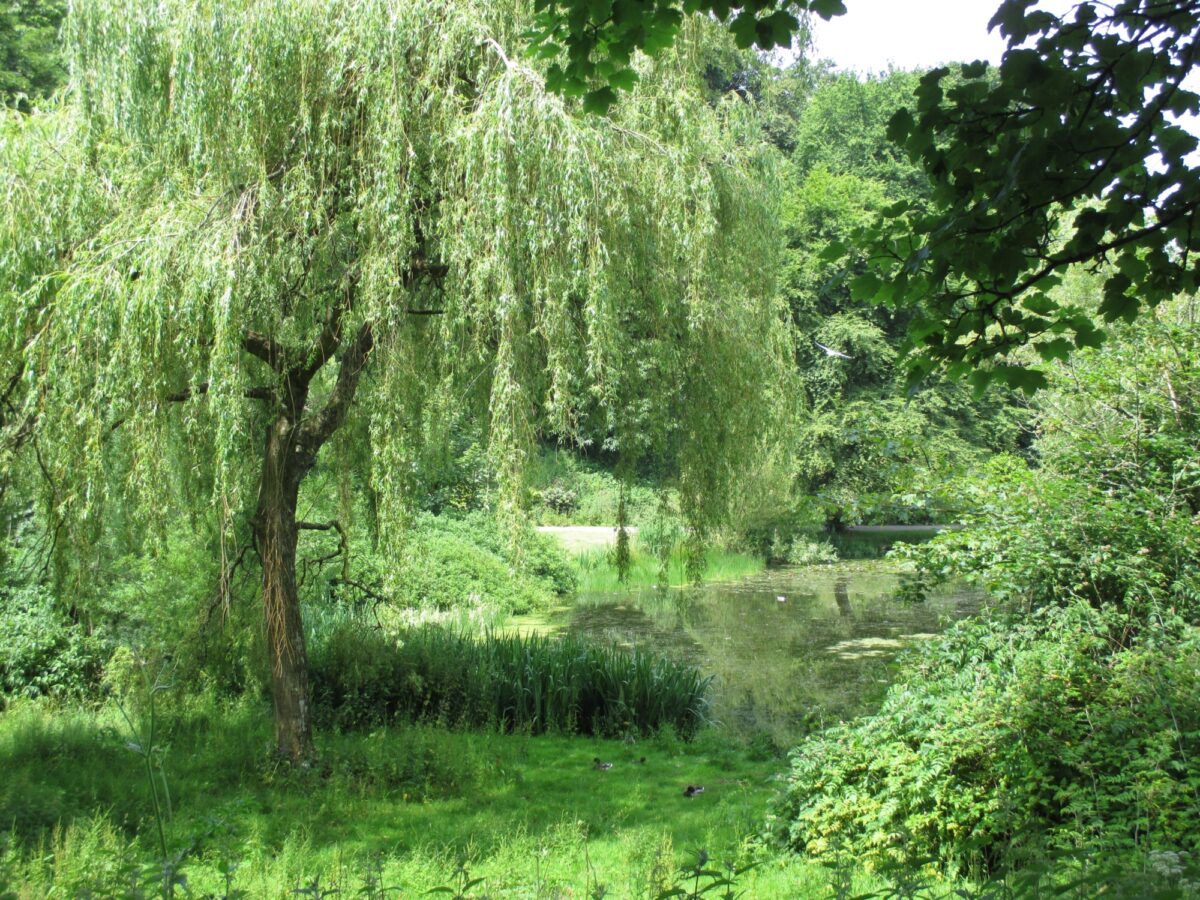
x=569, y=491
x=462, y=482
x=1039, y=538
x=805, y=552
x=41, y=651
x=559, y=497
x=362, y=678
x=451, y=563
x=1005, y=739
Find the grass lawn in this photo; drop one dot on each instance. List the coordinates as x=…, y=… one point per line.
x=531, y=815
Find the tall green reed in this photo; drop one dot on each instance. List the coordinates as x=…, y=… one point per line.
x=531, y=683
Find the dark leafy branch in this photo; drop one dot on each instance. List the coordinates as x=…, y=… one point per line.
x=342, y=550
x=591, y=42
x=1067, y=155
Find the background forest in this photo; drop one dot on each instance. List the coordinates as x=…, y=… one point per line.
x=316, y=315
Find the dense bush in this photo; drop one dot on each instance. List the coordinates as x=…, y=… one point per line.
x=1008, y=738
x=536, y=555
x=450, y=563
x=1109, y=515
x=1068, y=722
x=362, y=677
x=42, y=653
x=804, y=551
x=63, y=619
x=566, y=490
x=1044, y=537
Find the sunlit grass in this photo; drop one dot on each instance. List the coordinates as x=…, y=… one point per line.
x=532, y=815
x=598, y=571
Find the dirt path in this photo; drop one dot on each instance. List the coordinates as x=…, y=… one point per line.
x=581, y=538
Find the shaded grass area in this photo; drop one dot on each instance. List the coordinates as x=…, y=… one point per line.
x=597, y=569
x=530, y=814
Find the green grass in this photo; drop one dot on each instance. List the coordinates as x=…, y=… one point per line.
x=598, y=571
x=532, y=815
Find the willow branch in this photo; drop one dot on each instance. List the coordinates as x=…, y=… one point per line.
x=327, y=341
x=265, y=348
x=317, y=429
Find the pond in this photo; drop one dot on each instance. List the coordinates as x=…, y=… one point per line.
x=791, y=649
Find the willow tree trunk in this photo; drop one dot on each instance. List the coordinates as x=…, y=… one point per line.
x=293, y=440
x=275, y=532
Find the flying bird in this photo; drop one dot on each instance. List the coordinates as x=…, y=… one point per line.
x=829, y=351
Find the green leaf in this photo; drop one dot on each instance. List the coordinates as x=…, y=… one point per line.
x=1039, y=303
x=623, y=79
x=833, y=251
x=979, y=379
x=573, y=86
x=744, y=30
x=599, y=100
x=900, y=126
x=1010, y=18
x=1058, y=348
x=599, y=10
x=1027, y=380
x=865, y=286
x=827, y=9
x=1117, y=304
x=975, y=69
x=1086, y=333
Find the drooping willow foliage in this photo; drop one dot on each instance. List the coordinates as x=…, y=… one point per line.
x=220, y=168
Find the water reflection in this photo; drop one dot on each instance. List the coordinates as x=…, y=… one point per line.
x=841, y=594
x=791, y=649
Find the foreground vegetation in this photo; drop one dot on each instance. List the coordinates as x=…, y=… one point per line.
x=409, y=804
x=309, y=312
x=1065, y=724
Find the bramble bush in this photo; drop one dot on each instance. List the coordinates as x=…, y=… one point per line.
x=1009, y=737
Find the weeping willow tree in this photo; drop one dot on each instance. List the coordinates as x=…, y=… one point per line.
x=253, y=221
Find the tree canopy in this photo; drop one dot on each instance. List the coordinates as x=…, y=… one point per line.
x=30, y=63
x=250, y=222
x=1073, y=152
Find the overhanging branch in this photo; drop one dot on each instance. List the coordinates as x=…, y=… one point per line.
x=317, y=429
x=265, y=348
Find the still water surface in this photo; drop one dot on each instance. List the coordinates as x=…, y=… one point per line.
x=791, y=649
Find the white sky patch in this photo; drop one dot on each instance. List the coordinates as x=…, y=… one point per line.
x=912, y=34
x=921, y=34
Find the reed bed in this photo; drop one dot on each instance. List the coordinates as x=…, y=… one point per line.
x=528, y=683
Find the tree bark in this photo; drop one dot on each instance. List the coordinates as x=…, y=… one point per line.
x=293, y=440
x=275, y=532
